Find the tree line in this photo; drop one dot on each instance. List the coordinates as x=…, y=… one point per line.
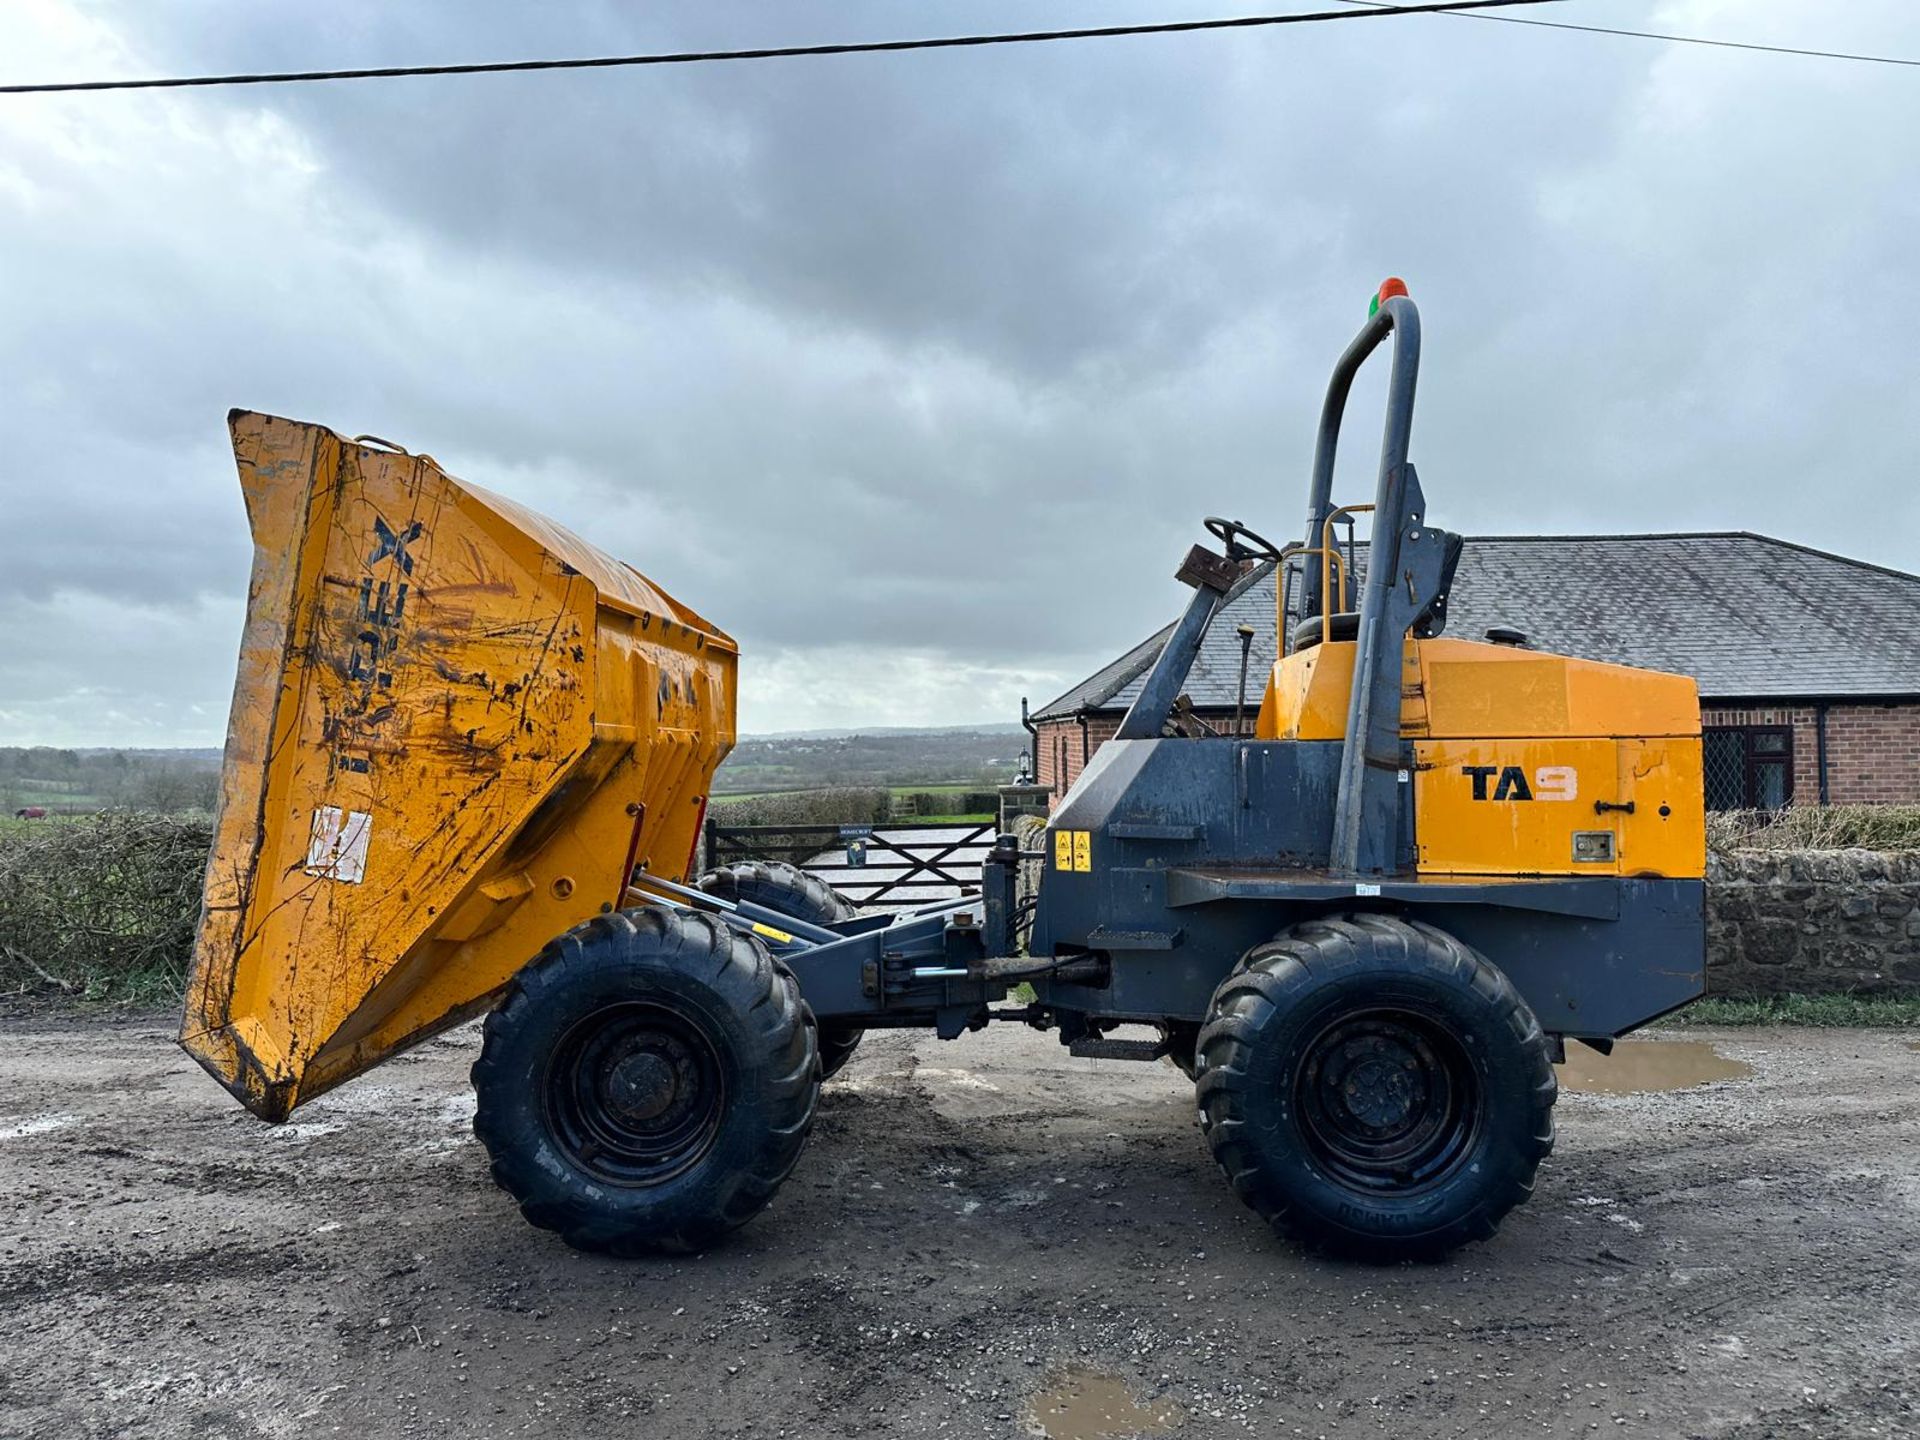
x=68, y=781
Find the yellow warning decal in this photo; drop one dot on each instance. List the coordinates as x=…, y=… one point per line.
x=772, y=934
x=1073, y=850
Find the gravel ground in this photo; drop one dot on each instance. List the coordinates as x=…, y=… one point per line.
x=978, y=1230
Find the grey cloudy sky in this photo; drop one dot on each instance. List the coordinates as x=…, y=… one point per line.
x=918, y=372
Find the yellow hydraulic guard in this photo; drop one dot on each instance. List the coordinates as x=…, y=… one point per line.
x=455, y=728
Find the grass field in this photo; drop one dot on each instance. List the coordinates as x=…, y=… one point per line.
x=1830, y=1012
x=53, y=804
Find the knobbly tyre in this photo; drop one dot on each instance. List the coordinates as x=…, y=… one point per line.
x=469, y=756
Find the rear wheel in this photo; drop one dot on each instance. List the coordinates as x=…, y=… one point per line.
x=648, y=1082
x=1372, y=1086
x=778, y=886
x=792, y=891
x=1182, y=1039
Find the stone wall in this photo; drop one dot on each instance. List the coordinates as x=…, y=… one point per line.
x=1813, y=921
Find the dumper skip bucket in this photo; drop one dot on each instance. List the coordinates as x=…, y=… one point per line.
x=455, y=728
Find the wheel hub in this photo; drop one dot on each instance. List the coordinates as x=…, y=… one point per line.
x=1382, y=1091
x=634, y=1093
x=1388, y=1100
x=642, y=1086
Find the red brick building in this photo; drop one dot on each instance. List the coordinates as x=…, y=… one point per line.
x=1808, y=663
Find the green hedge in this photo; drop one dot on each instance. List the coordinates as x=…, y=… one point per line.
x=934, y=803
x=841, y=805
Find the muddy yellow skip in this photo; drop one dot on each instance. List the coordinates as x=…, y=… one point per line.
x=452, y=721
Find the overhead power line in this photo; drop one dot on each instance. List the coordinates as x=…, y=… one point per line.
x=1682, y=39
x=780, y=52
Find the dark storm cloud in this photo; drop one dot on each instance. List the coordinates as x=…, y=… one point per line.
x=917, y=372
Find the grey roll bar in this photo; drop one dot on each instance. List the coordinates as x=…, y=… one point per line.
x=1407, y=571
x=1398, y=317
x=1408, y=566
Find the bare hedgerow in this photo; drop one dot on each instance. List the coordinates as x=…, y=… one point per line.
x=101, y=906
x=1886, y=828
x=841, y=805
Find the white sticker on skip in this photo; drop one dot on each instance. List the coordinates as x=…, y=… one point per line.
x=337, y=847
x=1365, y=889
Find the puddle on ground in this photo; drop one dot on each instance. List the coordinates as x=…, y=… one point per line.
x=1089, y=1405
x=33, y=1125
x=1638, y=1067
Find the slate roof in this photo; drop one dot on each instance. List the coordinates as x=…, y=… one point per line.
x=1748, y=616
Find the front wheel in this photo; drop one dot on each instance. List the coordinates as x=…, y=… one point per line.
x=647, y=1083
x=1374, y=1087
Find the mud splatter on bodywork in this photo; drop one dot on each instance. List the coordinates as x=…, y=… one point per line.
x=445, y=710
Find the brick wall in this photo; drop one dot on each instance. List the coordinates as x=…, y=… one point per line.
x=1806, y=746
x=1060, y=763
x=1873, y=754
x=1873, y=751
x=1060, y=745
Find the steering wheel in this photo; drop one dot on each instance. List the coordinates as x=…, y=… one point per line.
x=1242, y=543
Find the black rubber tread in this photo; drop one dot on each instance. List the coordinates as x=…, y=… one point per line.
x=1183, y=1047
x=805, y=896
x=690, y=962
x=1345, y=626
x=838, y=1041
x=779, y=886
x=1307, y=974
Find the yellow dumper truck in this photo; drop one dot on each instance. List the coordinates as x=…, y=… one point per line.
x=470, y=754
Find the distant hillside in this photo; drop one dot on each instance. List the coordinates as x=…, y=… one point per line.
x=65, y=780
x=73, y=781
x=188, y=754
x=875, y=757
x=849, y=733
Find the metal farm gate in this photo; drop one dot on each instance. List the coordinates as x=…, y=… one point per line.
x=884, y=866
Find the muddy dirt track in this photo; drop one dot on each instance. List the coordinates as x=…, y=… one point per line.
x=981, y=1235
